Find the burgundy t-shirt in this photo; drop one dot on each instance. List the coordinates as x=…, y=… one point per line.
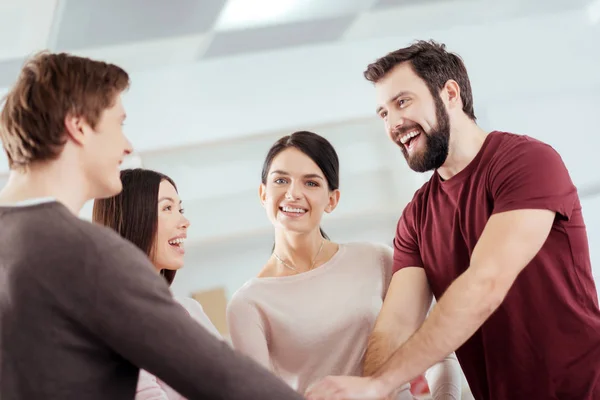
x=543, y=342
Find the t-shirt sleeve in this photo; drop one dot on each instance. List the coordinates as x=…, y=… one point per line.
x=118, y=296
x=406, y=248
x=531, y=175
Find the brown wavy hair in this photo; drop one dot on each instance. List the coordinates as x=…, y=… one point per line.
x=51, y=87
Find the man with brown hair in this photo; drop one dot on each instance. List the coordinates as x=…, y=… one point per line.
x=81, y=310
x=496, y=235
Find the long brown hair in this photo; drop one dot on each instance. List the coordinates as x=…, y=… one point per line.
x=133, y=213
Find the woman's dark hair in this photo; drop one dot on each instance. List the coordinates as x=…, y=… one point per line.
x=133, y=213
x=317, y=148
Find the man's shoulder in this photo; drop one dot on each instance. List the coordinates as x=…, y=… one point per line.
x=513, y=145
x=81, y=231
x=508, y=153
x=54, y=230
x=48, y=247
x=104, y=244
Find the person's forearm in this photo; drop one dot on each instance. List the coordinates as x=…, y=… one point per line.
x=467, y=303
x=240, y=377
x=204, y=366
x=131, y=309
x=172, y=346
x=379, y=349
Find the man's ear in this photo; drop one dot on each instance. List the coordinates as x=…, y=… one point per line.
x=74, y=127
x=452, y=94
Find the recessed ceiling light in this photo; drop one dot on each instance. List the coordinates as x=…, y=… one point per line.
x=239, y=14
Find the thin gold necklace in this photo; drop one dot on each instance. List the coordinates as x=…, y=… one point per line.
x=294, y=269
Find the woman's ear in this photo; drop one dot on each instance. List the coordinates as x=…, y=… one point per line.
x=334, y=198
x=262, y=193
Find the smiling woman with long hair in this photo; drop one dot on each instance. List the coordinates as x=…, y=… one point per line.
x=149, y=213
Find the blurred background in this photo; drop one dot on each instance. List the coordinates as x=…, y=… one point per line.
x=216, y=82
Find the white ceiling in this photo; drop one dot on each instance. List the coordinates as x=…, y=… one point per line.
x=146, y=34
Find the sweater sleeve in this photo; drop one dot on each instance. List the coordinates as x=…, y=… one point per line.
x=445, y=379
x=387, y=265
x=130, y=308
x=247, y=330
x=148, y=388
x=197, y=312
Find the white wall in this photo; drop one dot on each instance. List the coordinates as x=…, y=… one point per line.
x=591, y=213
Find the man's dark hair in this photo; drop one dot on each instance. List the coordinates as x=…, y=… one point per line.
x=432, y=63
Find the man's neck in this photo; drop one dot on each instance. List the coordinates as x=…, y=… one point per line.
x=466, y=141
x=47, y=181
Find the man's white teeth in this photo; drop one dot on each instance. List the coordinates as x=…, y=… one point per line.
x=408, y=136
x=176, y=242
x=294, y=210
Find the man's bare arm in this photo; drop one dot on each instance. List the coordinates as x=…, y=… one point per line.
x=406, y=304
x=508, y=243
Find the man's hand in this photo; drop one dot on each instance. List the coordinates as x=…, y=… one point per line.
x=347, y=388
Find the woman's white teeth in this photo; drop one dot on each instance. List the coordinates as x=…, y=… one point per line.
x=176, y=242
x=294, y=210
x=408, y=136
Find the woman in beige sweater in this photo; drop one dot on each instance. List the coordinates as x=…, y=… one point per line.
x=311, y=309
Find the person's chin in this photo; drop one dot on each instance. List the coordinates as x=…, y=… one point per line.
x=296, y=227
x=175, y=266
x=176, y=263
x=115, y=186
x=107, y=190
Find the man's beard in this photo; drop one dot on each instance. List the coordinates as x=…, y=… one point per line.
x=436, y=143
